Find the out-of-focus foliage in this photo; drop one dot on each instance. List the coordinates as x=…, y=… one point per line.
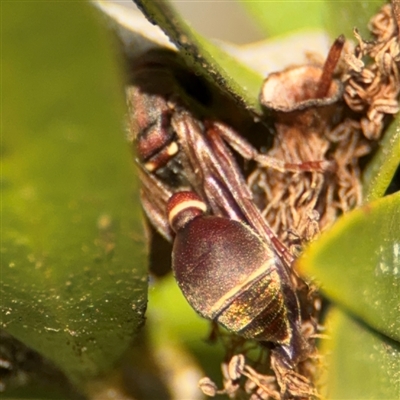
x=363, y=275
x=73, y=278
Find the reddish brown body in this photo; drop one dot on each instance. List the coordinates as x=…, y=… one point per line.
x=230, y=266
x=229, y=275
x=243, y=285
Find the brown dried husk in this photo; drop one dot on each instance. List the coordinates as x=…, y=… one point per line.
x=298, y=205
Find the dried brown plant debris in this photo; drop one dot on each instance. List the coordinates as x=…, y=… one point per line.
x=254, y=371
x=340, y=127
x=242, y=379
x=372, y=89
x=323, y=130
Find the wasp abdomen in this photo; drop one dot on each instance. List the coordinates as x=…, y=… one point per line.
x=266, y=318
x=226, y=272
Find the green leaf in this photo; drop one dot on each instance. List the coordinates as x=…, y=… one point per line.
x=166, y=299
x=337, y=17
x=381, y=169
x=357, y=263
x=216, y=65
x=280, y=17
x=73, y=279
x=174, y=321
x=342, y=17
x=361, y=364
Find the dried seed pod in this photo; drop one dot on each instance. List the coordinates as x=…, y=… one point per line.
x=291, y=94
x=306, y=103
x=236, y=367
x=300, y=97
x=208, y=387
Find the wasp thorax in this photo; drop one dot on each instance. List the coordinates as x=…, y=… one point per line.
x=156, y=147
x=182, y=208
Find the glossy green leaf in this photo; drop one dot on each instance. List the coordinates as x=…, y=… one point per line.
x=211, y=61
x=280, y=17
x=380, y=170
x=73, y=278
x=357, y=264
x=360, y=363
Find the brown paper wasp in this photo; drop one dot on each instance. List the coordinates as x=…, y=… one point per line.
x=229, y=264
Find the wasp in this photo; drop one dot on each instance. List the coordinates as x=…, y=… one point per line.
x=228, y=262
